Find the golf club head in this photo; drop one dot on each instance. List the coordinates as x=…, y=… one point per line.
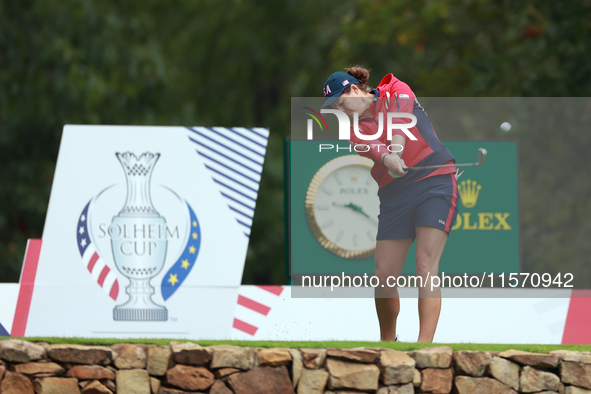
x=481, y=156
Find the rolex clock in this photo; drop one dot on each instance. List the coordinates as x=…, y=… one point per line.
x=342, y=207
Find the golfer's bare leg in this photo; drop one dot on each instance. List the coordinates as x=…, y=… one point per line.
x=390, y=256
x=430, y=244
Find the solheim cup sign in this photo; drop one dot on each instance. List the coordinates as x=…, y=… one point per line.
x=162, y=220
x=139, y=238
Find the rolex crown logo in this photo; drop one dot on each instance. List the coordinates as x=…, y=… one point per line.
x=469, y=190
x=354, y=176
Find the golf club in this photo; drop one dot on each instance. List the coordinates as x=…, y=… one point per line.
x=481, y=158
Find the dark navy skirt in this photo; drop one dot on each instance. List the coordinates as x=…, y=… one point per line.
x=432, y=201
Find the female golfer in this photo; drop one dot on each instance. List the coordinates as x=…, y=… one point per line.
x=414, y=204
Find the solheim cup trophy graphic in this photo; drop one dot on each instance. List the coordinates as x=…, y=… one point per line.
x=139, y=250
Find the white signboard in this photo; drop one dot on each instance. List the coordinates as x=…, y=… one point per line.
x=146, y=231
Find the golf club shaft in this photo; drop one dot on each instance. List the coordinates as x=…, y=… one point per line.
x=482, y=153
x=440, y=166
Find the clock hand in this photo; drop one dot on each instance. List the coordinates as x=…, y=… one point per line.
x=361, y=211
x=340, y=205
x=356, y=208
x=350, y=205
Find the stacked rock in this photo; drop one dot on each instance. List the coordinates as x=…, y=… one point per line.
x=186, y=367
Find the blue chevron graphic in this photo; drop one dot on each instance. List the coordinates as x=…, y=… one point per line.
x=234, y=157
x=3, y=332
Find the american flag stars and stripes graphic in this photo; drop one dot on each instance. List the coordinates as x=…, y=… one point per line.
x=98, y=267
x=234, y=157
x=253, y=305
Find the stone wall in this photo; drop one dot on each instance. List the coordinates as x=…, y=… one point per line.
x=27, y=367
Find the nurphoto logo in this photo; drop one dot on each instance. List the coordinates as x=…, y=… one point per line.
x=345, y=124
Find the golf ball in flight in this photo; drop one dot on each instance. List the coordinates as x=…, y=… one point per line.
x=505, y=126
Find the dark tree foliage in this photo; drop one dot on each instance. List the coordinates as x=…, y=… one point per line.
x=239, y=62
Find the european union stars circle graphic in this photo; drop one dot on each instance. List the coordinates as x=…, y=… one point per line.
x=180, y=270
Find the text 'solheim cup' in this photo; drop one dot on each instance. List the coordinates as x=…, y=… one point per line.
x=138, y=240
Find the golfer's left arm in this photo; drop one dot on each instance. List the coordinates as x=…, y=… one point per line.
x=392, y=160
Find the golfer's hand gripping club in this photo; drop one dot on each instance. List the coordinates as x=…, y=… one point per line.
x=395, y=165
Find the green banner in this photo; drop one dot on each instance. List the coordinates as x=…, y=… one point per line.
x=485, y=237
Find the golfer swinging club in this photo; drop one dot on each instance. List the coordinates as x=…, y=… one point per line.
x=413, y=204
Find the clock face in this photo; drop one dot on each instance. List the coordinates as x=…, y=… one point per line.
x=342, y=207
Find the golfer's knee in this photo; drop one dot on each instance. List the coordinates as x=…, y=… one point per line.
x=426, y=262
x=382, y=273
x=383, y=269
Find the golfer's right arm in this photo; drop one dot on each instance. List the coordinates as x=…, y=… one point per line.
x=391, y=160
